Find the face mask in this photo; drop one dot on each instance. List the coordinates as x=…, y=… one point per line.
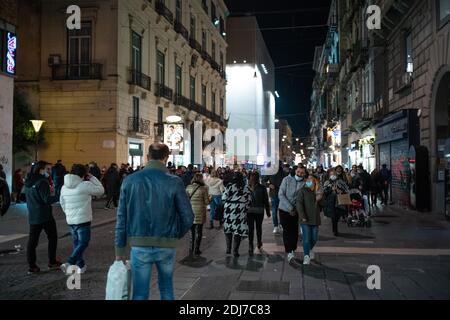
x=333, y=178
x=309, y=184
x=46, y=174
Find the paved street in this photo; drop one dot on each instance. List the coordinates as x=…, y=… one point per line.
x=412, y=250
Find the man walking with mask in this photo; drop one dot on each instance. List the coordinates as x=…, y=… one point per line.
x=288, y=213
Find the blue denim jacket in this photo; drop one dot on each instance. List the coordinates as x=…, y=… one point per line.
x=154, y=210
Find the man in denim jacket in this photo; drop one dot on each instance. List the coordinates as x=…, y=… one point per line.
x=154, y=212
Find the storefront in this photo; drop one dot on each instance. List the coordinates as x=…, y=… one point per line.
x=394, y=137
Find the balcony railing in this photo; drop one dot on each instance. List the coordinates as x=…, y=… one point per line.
x=207, y=57
x=195, y=45
x=181, y=30
x=139, y=125
x=161, y=9
x=163, y=91
x=85, y=71
x=181, y=100
x=138, y=78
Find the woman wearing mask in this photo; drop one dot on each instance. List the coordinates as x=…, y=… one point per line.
x=198, y=194
x=308, y=207
x=255, y=216
x=340, y=174
x=216, y=189
x=237, y=199
x=289, y=188
x=332, y=187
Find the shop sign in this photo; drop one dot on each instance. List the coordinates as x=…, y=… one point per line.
x=396, y=130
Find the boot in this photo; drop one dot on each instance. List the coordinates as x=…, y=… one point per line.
x=236, y=244
x=251, y=249
x=197, y=247
x=229, y=239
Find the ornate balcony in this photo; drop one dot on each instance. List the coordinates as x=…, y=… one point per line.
x=86, y=71
x=139, y=126
x=195, y=45
x=179, y=28
x=161, y=9
x=138, y=78
x=163, y=91
x=181, y=100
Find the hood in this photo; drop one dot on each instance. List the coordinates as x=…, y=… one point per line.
x=33, y=178
x=71, y=181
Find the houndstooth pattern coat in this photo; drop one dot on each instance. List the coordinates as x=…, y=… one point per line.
x=236, y=204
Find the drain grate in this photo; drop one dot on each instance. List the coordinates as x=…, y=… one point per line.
x=273, y=287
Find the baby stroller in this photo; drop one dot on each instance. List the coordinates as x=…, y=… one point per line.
x=358, y=214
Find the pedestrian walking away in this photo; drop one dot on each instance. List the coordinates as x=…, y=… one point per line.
x=255, y=215
x=216, y=189
x=237, y=199
x=58, y=173
x=288, y=213
x=152, y=227
x=332, y=187
x=308, y=206
x=274, y=183
x=198, y=194
x=40, y=216
x=76, y=197
x=112, y=186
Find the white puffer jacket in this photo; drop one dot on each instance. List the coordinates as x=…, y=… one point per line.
x=76, y=197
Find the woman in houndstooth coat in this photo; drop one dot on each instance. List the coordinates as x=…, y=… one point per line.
x=237, y=199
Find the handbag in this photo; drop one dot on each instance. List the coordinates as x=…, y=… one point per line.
x=344, y=199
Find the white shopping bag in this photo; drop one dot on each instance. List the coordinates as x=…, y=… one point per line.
x=118, y=284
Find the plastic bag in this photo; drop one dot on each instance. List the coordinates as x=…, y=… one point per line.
x=119, y=281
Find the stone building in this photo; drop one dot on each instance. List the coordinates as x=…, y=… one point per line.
x=133, y=70
x=8, y=68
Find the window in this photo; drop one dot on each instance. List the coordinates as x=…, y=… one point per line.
x=135, y=114
x=443, y=12
x=408, y=53
x=221, y=61
x=192, y=88
x=193, y=27
x=222, y=108
x=179, y=11
x=213, y=12
x=160, y=67
x=79, y=50
x=213, y=50
x=160, y=121
x=136, y=54
x=213, y=102
x=204, y=40
x=178, y=82
x=203, y=95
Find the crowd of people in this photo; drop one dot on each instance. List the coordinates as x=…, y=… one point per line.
x=177, y=201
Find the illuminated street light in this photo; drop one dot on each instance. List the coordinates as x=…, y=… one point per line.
x=37, y=125
x=277, y=94
x=277, y=120
x=173, y=119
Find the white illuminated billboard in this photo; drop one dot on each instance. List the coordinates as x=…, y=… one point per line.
x=173, y=136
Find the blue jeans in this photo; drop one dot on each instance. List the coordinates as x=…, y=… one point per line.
x=142, y=260
x=275, y=203
x=81, y=235
x=215, y=201
x=310, y=236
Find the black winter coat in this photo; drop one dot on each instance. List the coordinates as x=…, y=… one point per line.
x=260, y=200
x=5, y=197
x=39, y=199
x=112, y=182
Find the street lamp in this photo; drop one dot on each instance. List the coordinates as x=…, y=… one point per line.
x=37, y=124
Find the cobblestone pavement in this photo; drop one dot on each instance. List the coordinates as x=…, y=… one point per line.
x=412, y=249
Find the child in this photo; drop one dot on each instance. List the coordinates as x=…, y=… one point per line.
x=76, y=196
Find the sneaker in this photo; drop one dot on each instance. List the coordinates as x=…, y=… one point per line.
x=81, y=270
x=54, y=266
x=34, y=270
x=261, y=249
x=306, y=260
x=276, y=230
x=312, y=256
x=65, y=267
x=290, y=256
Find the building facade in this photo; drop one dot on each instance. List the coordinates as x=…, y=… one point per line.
x=394, y=102
x=250, y=95
x=8, y=59
x=136, y=72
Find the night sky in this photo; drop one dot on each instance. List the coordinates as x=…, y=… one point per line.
x=290, y=47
